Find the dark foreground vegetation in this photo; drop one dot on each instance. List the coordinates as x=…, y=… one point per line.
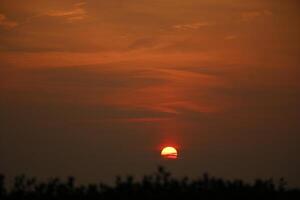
x=160, y=185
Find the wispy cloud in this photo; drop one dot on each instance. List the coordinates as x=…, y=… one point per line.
x=230, y=37
x=76, y=13
x=147, y=120
x=7, y=23
x=251, y=15
x=192, y=26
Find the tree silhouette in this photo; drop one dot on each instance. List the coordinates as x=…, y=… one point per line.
x=160, y=185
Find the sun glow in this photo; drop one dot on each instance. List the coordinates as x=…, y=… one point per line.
x=169, y=152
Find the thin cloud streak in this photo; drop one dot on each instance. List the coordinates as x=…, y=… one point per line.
x=76, y=13
x=192, y=26
x=7, y=23
x=248, y=16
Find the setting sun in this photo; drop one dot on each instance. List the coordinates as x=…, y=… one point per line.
x=169, y=152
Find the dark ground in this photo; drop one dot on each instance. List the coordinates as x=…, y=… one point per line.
x=160, y=185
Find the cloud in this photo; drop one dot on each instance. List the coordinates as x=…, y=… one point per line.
x=7, y=23
x=76, y=13
x=251, y=15
x=191, y=26
x=147, y=119
x=142, y=43
x=230, y=37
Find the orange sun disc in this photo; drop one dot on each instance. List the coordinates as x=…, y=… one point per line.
x=169, y=152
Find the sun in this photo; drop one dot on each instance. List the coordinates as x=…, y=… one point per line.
x=169, y=153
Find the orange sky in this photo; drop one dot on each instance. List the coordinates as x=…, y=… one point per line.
x=218, y=78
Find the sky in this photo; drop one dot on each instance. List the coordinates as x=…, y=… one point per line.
x=96, y=88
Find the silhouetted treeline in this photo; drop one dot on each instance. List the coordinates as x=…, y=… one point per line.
x=160, y=185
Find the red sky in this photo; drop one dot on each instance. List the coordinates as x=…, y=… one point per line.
x=94, y=88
